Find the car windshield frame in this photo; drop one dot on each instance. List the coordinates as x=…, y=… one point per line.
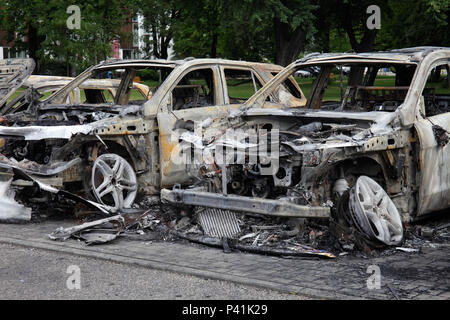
x=260, y=97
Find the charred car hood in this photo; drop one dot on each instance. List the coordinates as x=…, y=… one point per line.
x=329, y=129
x=373, y=116
x=13, y=73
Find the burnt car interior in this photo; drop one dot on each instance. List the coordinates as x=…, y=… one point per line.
x=367, y=87
x=195, y=89
x=436, y=93
x=128, y=95
x=90, y=103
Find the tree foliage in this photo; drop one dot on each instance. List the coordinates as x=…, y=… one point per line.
x=422, y=23
x=40, y=28
x=160, y=18
x=249, y=29
x=277, y=31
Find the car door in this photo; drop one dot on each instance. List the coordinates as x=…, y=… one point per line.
x=234, y=84
x=434, y=190
x=188, y=103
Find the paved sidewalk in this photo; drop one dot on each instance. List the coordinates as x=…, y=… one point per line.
x=424, y=275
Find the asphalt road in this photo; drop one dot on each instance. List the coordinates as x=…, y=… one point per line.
x=27, y=273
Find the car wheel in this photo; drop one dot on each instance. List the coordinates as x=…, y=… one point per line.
x=374, y=212
x=113, y=181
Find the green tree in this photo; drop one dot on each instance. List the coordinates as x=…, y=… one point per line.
x=199, y=27
x=350, y=17
x=22, y=20
x=40, y=28
x=159, y=20
x=291, y=24
x=293, y=27
x=426, y=23
x=245, y=28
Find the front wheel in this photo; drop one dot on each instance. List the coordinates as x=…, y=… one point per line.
x=374, y=212
x=113, y=181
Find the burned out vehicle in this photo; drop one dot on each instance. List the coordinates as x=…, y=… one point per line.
x=115, y=148
x=47, y=85
x=370, y=150
x=40, y=87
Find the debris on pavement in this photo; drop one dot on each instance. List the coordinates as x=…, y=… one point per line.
x=287, y=249
x=102, y=230
x=407, y=249
x=248, y=232
x=64, y=234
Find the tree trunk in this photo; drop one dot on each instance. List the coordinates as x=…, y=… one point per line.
x=165, y=42
x=33, y=47
x=367, y=41
x=156, y=53
x=326, y=40
x=365, y=45
x=214, y=45
x=288, y=43
x=436, y=74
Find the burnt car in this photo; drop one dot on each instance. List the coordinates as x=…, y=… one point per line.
x=370, y=150
x=42, y=86
x=115, y=148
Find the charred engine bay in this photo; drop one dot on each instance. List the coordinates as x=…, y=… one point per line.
x=33, y=153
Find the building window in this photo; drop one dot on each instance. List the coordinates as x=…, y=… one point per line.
x=135, y=35
x=10, y=53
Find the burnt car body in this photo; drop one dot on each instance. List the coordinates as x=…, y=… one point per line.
x=46, y=85
x=42, y=86
x=384, y=142
x=116, y=149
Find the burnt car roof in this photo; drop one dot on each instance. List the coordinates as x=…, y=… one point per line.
x=406, y=55
x=117, y=63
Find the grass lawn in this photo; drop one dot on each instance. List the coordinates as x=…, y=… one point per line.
x=332, y=93
x=238, y=89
